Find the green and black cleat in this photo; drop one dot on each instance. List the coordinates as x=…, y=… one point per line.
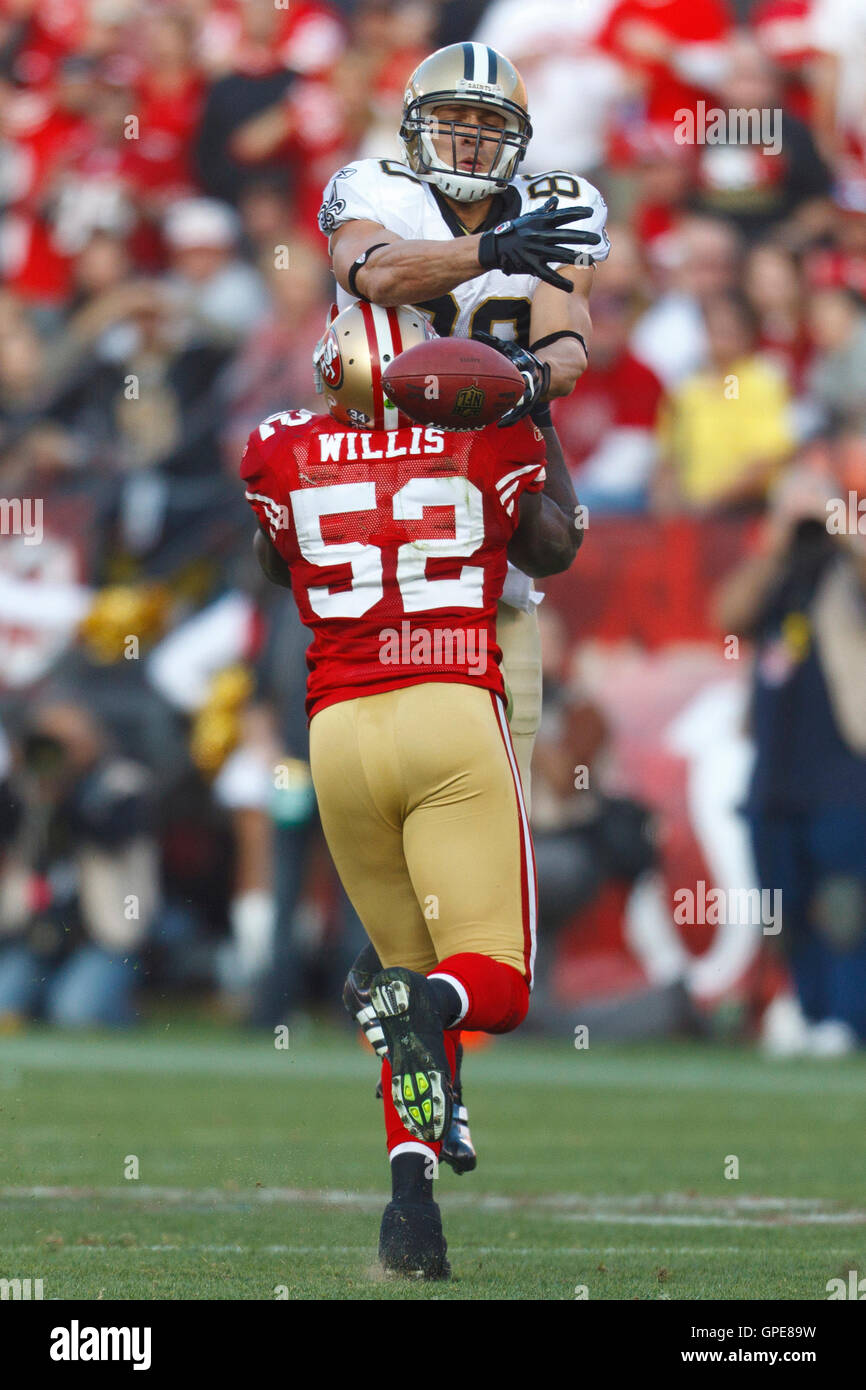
x=405, y=1006
x=411, y=1243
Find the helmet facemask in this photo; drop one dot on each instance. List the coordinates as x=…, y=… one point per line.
x=421, y=127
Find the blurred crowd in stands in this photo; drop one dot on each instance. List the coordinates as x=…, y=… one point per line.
x=163, y=283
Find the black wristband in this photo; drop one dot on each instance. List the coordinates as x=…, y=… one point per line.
x=555, y=337
x=487, y=257
x=357, y=265
x=540, y=415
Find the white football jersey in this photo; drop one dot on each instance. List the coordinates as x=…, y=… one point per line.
x=387, y=192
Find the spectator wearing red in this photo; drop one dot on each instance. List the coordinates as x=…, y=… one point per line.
x=326, y=118
x=674, y=47
x=168, y=96
x=774, y=287
x=842, y=263
x=389, y=40
x=37, y=35
x=43, y=131
x=607, y=425
x=663, y=174
x=99, y=186
x=308, y=36
x=784, y=30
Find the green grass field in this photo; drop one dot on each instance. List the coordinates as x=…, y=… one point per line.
x=262, y=1169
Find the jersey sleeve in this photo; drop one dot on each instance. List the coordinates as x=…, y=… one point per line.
x=262, y=487
x=519, y=464
x=574, y=191
x=371, y=190
x=348, y=196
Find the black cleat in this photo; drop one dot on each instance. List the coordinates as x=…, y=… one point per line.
x=356, y=1001
x=411, y=1243
x=457, y=1150
x=405, y=1005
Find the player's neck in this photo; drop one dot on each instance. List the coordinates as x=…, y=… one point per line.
x=469, y=215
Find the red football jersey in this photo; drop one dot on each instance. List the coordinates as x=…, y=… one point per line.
x=623, y=394
x=396, y=541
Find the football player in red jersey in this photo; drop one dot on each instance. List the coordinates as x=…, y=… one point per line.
x=485, y=252
x=394, y=539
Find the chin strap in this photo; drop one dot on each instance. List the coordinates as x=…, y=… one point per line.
x=477, y=193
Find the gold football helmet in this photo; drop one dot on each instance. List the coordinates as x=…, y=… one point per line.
x=465, y=73
x=349, y=360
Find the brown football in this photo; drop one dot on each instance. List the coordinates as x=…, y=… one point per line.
x=455, y=383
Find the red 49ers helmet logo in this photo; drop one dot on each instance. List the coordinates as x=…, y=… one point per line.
x=331, y=363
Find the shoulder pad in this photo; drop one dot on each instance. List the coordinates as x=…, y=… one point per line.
x=367, y=190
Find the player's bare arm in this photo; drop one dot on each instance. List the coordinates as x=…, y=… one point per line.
x=401, y=271
x=390, y=270
x=546, y=539
x=556, y=313
x=271, y=561
x=558, y=485
x=561, y=328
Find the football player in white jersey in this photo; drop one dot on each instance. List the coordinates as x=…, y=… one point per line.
x=489, y=253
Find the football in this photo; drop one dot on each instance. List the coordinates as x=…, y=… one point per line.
x=454, y=383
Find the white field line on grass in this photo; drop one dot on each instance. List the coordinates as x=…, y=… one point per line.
x=665, y=1209
x=619, y=1218
x=508, y=1066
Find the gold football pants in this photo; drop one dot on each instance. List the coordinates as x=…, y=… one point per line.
x=422, y=807
x=519, y=638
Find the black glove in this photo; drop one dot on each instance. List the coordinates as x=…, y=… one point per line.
x=525, y=245
x=536, y=375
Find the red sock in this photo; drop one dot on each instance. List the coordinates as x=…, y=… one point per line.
x=395, y=1131
x=497, y=994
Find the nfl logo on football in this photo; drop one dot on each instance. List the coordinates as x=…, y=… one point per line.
x=469, y=401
